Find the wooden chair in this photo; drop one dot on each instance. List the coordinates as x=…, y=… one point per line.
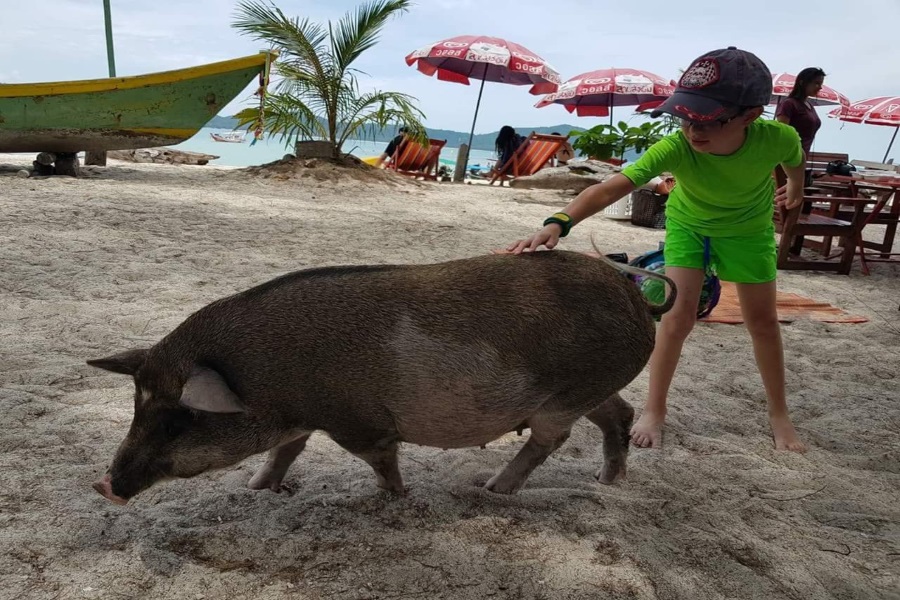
x=415, y=160
x=793, y=223
x=530, y=157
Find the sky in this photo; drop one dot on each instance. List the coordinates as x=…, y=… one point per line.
x=55, y=40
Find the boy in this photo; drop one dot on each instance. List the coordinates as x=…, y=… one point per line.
x=723, y=159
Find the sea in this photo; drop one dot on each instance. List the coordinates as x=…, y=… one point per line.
x=272, y=148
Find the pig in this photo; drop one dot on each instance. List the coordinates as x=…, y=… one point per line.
x=449, y=355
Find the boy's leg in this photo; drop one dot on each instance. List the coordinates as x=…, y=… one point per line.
x=761, y=317
x=673, y=331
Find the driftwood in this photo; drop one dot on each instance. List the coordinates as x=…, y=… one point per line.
x=575, y=176
x=162, y=155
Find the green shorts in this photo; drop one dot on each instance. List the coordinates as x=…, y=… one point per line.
x=742, y=259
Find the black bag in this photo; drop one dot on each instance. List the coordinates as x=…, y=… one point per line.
x=839, y=167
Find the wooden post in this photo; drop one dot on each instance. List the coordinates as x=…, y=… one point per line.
x=67, y=164
x=462, y=158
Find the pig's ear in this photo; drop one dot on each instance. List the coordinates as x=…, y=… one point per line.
x=206, y=390
x=126, y=363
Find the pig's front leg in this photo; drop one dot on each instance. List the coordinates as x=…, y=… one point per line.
x=614, y=418
x=271, y=474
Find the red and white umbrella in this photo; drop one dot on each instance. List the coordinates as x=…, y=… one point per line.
x=484, y=58
x=593, y=94
x=881, y=110
x=783, y=83
x=487, y=59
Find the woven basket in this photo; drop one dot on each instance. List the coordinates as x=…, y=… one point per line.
x=648, y=209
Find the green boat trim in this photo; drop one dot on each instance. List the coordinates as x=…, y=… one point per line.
x=119, y=113
x=85, y=86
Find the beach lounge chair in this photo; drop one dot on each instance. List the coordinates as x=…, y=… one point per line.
x=415, y=160
x=535, y=151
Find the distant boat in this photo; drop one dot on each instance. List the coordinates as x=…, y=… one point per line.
x=121, y=113
x=232, y=137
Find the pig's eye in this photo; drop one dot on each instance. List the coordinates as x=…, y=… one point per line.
x=176, y=423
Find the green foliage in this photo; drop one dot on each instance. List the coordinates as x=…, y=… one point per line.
x=608, y=141
x=317, y=95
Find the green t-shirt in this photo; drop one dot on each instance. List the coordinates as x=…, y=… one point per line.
x=722, y=196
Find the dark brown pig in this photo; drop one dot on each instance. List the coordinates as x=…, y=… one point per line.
x=448, y=355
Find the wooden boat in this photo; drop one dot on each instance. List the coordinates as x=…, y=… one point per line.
x=120, y=113
x=232, y=137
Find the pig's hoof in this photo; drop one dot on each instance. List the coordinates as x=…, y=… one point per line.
x=264, y=480
x=395, y=488
x=610, y=475
x=500, y=485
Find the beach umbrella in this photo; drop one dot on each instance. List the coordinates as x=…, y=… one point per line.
x=783, y=83
x=881, y=110
x=595, y=93
x=466, y=57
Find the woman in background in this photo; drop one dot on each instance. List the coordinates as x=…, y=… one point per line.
x=797, y=111
x=506, y=144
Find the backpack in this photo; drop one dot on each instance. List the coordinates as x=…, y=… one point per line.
x=655, y=290
x=840, y=167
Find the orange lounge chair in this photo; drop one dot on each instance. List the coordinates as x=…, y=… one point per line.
x=534, y=153
x=415, y=160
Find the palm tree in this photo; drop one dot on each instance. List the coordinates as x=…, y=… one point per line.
x=318, y=95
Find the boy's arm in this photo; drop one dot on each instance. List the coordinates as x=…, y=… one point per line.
x=590, y=201
x=792, y=195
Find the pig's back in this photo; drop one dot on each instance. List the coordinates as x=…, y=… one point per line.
x=450, y=341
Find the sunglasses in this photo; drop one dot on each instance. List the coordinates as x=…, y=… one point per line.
x=709, y=126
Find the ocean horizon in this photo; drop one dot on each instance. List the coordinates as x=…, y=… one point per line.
x=272, y=148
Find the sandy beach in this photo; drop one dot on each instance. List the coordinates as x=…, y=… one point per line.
x=118, y=258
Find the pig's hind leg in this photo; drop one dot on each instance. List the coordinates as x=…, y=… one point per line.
x=614, y=417
x=271, y=474
x=549, y=431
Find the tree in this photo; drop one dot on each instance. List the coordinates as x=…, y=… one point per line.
x=318, y=95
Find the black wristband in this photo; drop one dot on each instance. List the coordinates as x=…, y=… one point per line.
x=561, y=219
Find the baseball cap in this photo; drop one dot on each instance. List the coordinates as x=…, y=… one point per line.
x=717, y=85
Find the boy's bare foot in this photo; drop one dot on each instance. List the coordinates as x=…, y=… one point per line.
x=785, y=435
x=647, y=432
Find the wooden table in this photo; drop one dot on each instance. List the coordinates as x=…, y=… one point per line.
x=887, y=192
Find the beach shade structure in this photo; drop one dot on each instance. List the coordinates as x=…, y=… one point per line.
x=783, y=83
x=482, y=58
x=881, y=110
x=595, y=93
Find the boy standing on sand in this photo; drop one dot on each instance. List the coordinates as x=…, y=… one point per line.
x=720, y=212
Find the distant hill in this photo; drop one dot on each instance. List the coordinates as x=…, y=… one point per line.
x=481, y=141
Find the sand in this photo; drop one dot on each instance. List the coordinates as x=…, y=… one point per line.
x=121, y=256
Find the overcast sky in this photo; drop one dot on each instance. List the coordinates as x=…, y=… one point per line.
x=53, y=40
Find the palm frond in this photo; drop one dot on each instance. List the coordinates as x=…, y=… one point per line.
x=298, y=41
x=379, y=110
x=359, y=31
x=315, y=91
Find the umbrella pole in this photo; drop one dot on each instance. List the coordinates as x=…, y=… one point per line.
x=475, y=118
x=888, y=151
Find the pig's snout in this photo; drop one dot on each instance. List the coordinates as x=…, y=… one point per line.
x=104, y=488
